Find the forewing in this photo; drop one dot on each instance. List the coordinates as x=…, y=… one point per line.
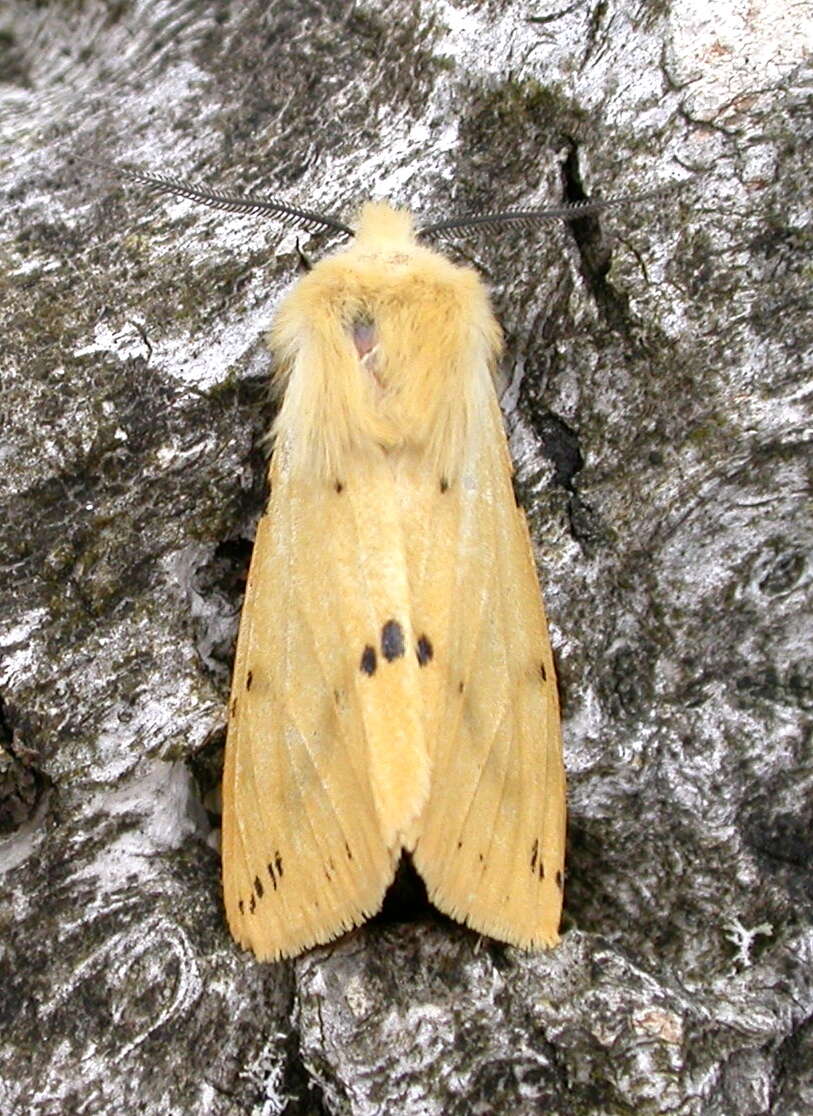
x=490, y=842
x=324, y=760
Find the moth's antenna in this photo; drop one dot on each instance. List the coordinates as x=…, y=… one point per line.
x=526, y=218
x=272, y=207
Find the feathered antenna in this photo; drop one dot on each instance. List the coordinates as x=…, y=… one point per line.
x=250, y=205
x=525, y=218
x=317, y=222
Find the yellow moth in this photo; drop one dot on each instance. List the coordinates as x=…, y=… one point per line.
x=394, y=687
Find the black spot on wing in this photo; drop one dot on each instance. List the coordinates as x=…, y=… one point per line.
x=339, y=487
x=258, y=887
x=272, y=875
x=444, y=485
x=249, y=679
x=278, y=863
x=233, y=709
x=425, y=651
x=392, y=640
x=537, y=863
x=368, y=660
x=240, y=906
x=347, y=850
x=253, y=904
x=559, y=880
x=543, y=672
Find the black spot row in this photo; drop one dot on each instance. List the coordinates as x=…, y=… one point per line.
x=275, y=869
x=538, y=868
x=392, y=647
x=275, y=874
x=233, y=706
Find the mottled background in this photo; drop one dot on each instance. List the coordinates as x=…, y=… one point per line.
x=657, y=398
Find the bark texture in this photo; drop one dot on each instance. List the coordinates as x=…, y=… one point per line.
x=658, y=400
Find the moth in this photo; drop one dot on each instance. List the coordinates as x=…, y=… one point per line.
x=394, y=687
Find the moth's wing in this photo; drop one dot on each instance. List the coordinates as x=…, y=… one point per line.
x=324, y=760
x=490, y=842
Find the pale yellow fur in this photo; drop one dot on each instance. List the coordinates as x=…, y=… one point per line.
x=435, y=324
x=394, y=686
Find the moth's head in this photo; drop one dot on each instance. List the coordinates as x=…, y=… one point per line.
x=381, y=281
x=382, y=302
x=379, y=226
